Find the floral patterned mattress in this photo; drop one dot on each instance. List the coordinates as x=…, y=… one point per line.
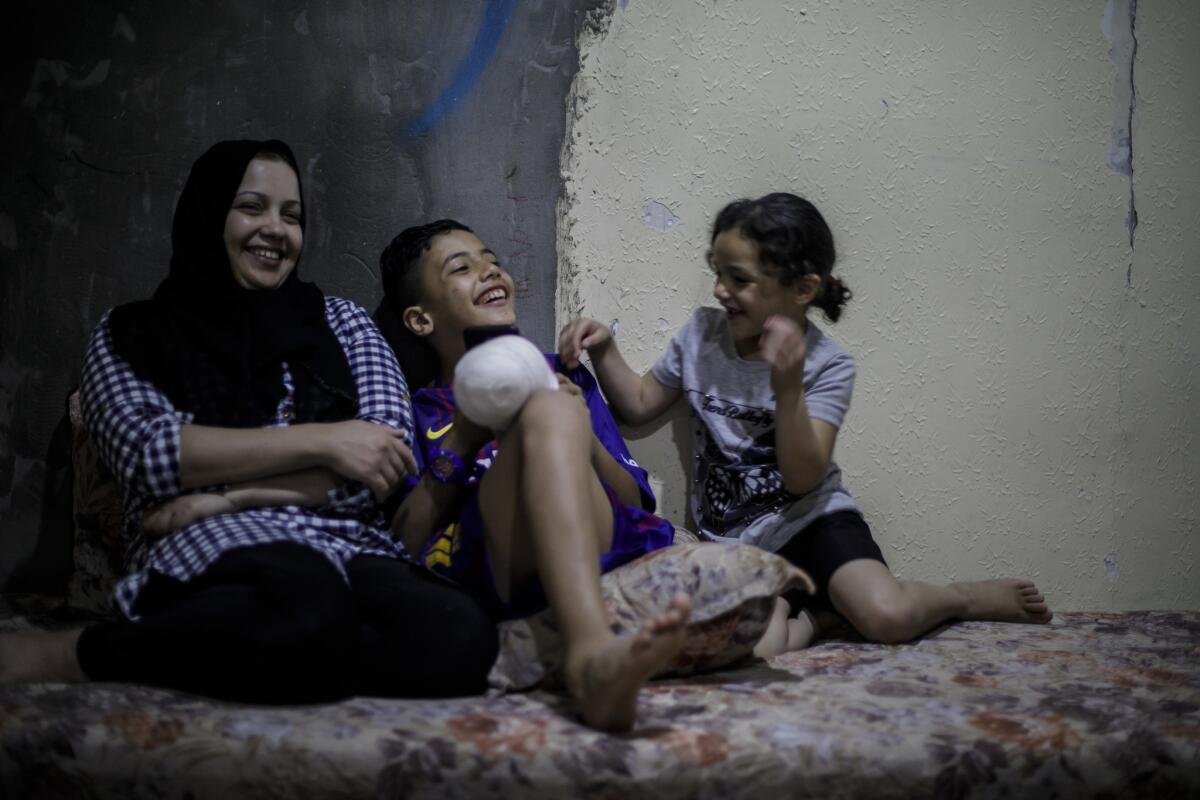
x=1092, y=705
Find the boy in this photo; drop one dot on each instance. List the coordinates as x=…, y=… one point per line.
x=549, y=506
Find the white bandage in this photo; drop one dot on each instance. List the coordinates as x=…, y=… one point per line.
x=493, y=380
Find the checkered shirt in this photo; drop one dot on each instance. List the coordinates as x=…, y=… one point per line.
x=136, y=430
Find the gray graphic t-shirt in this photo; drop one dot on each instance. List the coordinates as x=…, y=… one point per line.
x=737, y=490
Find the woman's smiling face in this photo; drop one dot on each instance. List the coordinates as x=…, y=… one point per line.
x=263, y=237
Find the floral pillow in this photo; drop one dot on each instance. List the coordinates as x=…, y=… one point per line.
x=732, y=589
x=97, y=514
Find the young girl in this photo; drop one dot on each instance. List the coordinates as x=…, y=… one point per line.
x=768, y=392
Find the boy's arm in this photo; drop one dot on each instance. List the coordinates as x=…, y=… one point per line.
x=612, y=473
x=603, y=462
x=637, y=399
x=430, y=503
x=803, y=445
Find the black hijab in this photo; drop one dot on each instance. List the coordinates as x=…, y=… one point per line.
x=216, y=349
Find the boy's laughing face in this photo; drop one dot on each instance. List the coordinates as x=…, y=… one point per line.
x=462, y=285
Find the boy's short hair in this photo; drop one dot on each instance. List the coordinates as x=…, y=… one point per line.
x=398, y=267
x=398, y=261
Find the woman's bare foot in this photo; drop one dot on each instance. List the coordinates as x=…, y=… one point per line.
x=1004, y=600
x=604, y=676
x=36, y=656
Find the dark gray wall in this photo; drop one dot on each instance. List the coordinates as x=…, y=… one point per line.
x=399, y=112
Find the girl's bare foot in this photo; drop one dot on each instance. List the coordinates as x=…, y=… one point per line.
x=802, y=631
x=604, y=676
x=786, y=633
x=1004, y=600
x=35, y=656
x=775, y=638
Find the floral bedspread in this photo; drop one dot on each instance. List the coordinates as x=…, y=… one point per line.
x=1092, y=705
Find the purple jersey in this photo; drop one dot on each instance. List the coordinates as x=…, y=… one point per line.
x=457, y=550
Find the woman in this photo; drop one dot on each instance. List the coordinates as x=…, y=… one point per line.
x=253, y=424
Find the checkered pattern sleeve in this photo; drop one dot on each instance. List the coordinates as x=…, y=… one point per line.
x=133, y=424
x=382, y=391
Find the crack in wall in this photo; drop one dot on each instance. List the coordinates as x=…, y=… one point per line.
x=1119, y=25
x=1131, y=218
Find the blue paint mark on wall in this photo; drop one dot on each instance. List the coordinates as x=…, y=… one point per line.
x=495, y=20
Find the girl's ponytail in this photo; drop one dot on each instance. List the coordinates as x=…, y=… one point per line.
x=832, y=297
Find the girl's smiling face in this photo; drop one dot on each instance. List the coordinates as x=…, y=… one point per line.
x=749, y=291
x=263, y=236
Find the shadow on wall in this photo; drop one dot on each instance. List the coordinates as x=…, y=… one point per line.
x=399, y=113
x=47, y=568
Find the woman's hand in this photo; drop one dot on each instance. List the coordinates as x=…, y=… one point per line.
x=374, y=455
x=784, y=347
x=183, y=511
x=581, y=334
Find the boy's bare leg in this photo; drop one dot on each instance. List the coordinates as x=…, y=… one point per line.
x=884, y=609
x=605, y=676
x=28, y=656
x=546, y=513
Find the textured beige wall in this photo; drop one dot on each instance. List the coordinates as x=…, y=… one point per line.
x=1026, y=393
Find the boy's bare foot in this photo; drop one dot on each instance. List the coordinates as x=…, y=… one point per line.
x=36, y=656
x=604, y=677
x=1004, y=600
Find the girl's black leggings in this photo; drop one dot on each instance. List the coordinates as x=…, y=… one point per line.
x=277, y=623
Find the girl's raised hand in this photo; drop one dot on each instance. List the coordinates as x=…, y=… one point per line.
x=578, y=335
x=784, y=346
